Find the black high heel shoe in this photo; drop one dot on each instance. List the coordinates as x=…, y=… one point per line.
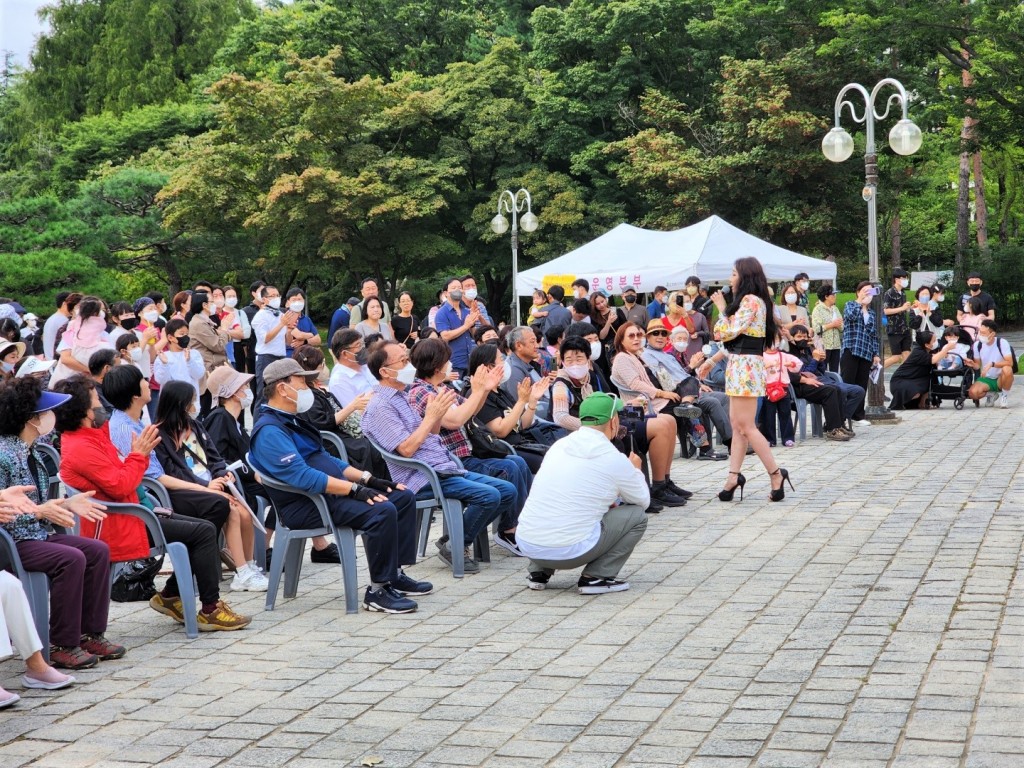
x=778, y=494
x=726, y=494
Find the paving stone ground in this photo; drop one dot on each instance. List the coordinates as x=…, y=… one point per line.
x=873, y=618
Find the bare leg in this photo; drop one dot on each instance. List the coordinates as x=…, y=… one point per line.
x=247, y=533
x=661, y=435
x=742, y=411
x=233, y=536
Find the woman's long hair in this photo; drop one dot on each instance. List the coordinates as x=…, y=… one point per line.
x=752, y=281
x=172, y=409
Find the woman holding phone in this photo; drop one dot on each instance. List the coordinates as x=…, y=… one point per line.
x=860, y=342
x=743, y=324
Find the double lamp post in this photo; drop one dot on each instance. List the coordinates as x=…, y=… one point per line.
x=514, y=203
x=837, y=146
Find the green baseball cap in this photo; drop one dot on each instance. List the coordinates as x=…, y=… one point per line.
x=599, y=408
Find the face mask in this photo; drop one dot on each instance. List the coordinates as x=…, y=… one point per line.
x=801, y=344
x=182, y=341
x=129, y=323
x=791, y=298
x=679, y=346
x=975, y=287
x=47, y=421
x=940, y=297
x=803, y=285
x=31, y=323
x=406, y=375
x=6, y=367
x=274, y=303
x=925, y=298
x=455, y=296
x=303, y=399
x=218, y=303
x=297, y=306
x=688, y=306
x=231, y=302
x=595, y=350
x=629, y=299
x=448, y=369
x=577, y=372
x=99, y=417
x=987, y=339
x=904, y=282
x=471, y=294
x=135, y=354
x=151, y=317
x=506, y=372
x=246, y=400
x=691, y=290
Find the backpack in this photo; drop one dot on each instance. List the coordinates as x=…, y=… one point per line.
x=999, y=342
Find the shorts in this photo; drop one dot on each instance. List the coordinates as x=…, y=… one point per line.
x=899, y=342
x=992, y=384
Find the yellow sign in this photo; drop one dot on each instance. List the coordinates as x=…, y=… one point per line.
x=563, y=280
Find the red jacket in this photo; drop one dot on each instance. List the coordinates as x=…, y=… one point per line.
x=90, y=462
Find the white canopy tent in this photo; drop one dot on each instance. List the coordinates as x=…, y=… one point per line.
x=643, y=259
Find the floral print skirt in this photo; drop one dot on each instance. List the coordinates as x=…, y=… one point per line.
x=744, y=376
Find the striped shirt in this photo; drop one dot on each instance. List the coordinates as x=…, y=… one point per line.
x=122, y=430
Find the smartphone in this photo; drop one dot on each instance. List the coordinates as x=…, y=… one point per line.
x=875, y=290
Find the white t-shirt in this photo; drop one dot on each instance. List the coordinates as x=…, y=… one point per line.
x=987, y=354
x=264, y=322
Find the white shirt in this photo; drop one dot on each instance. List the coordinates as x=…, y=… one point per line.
x=562, y=519
x=177, y=368
x=990, y=354
x=263, y=322
x=53, y=324
x=347, y=385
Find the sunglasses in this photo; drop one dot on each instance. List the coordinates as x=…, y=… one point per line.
x=657, y=333
x=634, y=336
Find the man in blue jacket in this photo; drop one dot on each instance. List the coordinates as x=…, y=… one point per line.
x=291, y=452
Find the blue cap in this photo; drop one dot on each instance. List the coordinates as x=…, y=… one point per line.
x=49, y=400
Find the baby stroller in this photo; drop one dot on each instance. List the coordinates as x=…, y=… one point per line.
x=952, y=379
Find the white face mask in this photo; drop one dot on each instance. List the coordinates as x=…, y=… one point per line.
x=506, y=372
x=231, y=301
x=791, y=298
x=688, y=306
x=470, y=294
x=679, y=346
x=577, y=372
x=595, y=350
x=246, y=399
x=274, y=303
x=406, y=375
x=218, y=303
x=136, y=354
x=6, y=367
x=297, y=306
x=804, y=286
x=151, y=316
x=103, y=315
x=925, y=299
x=904, y=282
x=448, y=369
x=940, y=297
x=303, y=399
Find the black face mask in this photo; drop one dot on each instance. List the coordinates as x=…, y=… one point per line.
x=974, y=287
x=629, y=299
x=800, y=344
x=361, y=357
x=129, y=323
x=183, y=341
x=99, y=417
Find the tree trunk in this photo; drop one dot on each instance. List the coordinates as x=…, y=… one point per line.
x=895, y=239
x=963, y=200
x=1004, y=209
x=980, y=211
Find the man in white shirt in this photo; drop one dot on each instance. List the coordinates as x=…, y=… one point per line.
x=56, y=321
x=270, y=327
x=993, y=359
x=598, y=518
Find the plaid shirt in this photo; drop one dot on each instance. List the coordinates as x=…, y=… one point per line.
x=859, y=335
x=454, y=440
x=389, y=420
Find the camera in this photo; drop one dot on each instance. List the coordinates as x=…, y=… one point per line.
x=632, y=412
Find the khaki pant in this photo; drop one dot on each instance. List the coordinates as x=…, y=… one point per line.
x=621, y=529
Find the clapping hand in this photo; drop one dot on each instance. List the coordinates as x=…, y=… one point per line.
x=438, y=405
x=524, y=389
x=85, y=507
x=146, y=440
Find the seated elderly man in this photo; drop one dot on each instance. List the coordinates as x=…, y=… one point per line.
x=605, y=518
x=289, y=450
x=814, y=389
x=714, y=406
x=815, y=363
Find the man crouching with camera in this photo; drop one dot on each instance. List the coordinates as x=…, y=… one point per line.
x=604, y=521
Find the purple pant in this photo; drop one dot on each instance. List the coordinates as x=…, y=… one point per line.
x=79, y=571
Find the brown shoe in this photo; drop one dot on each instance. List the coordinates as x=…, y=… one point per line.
x=838, y=435
x=102, y=648
x=66, y=657
x=221, y=619
x=168, y=606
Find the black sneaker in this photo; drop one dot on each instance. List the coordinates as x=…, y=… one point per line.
x=661, y=493
x=508, y=541
x=328, y=554
x=537, y=580
x=407, y=585
x=387, y=599
x=589, y=585
x=670, y=484
x=709, y=455
x=653, y=508
x=687, y=411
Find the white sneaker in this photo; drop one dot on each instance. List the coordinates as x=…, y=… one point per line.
x=248, y=579
x=861, y=423
x=990, y=400
x=1004, y=401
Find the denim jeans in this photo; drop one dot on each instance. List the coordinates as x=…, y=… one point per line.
x=513, y=469
x=484, y=499
x=852, y=395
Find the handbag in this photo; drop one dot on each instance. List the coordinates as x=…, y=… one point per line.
x=776, y=390
x=483, y=443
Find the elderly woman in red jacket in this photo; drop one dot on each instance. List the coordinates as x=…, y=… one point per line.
x=90, y=462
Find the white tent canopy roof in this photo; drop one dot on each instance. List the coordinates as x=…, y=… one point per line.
x=643, y=258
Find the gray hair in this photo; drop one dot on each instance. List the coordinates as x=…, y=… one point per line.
x=516, y=335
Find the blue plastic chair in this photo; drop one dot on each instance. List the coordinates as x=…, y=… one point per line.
x=333, y=441
x=176, y=552
x=290, y=544
x=36, y=585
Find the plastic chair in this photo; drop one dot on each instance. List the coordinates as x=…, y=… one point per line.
x=157, y=491
x=51, y=461
x=800, y=406
x=36, y=585
x=451, y=510
x=334, y=445
x=290, y=543
x=176, y=552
